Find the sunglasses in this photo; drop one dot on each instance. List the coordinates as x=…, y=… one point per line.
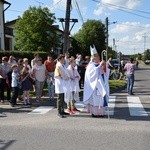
x=39, y=60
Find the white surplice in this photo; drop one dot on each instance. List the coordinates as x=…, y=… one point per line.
x=74, y=83
x=62, y=81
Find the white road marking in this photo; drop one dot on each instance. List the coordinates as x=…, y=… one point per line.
x=41, y=110
x=111, y=105
x=79, y=105
x=135, y=106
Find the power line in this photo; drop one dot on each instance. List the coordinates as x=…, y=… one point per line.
x=39, y=2
x=78, y=10
x=119, y=8
x=141, y=11
x=55, y=4
x=134, y=26
x=127, y=11
x=15, y=10
x=145, y=12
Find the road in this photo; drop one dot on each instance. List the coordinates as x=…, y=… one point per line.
x=38, y=128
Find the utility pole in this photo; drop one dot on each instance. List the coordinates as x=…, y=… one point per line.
x=67, y=23
x=145, y=36
x=106, y=22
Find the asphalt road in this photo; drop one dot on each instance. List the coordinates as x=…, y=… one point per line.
x=128, y=128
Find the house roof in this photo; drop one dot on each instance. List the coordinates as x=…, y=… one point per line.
x=4, y=1
x=12, y=22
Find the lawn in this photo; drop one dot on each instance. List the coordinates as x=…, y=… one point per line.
x=117, y=83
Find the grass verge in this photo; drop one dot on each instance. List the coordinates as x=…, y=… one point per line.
x=115, y=84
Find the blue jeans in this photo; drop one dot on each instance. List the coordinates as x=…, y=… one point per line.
x=130, y=83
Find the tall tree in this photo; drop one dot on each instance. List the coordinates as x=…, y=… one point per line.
x=92, y=32
x=34, y=31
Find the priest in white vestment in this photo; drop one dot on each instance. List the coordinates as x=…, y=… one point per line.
x=95, y=93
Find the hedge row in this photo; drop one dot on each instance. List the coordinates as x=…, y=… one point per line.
x=24, y=54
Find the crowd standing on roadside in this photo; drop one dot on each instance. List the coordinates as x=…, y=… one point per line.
x=65, y=77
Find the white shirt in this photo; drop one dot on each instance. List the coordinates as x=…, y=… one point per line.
x=14, y=82
x=40, y=72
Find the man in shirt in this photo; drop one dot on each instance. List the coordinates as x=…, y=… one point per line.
x=5, y=78
x=62, y=86
x=130, y=68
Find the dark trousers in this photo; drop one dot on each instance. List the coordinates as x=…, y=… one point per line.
x=81, y=81
x=4, y=85
x=15, y=91
x=60, y=103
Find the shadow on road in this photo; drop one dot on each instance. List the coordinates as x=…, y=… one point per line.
x=4, y=145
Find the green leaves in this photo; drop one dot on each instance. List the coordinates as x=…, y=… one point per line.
x=33, y=30
x=92, y=32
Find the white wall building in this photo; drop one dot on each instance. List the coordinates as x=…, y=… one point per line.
x=2, y=32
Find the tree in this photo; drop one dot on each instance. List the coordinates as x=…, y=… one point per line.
x=146, y=55
x=34, y=30
x=92, y=32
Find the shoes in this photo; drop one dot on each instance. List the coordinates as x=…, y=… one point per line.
x=131, y=93
x=70, y=111
x=12, y=105
x=98, y=116
x=64, y=113
x=75, y=109
x=61, y=116
x=29, y=103
x=94, y=116
x=101, y=116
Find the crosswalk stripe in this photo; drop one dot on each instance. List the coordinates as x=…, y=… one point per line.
x=41, y=110
x=136, y=107
x=111, y=105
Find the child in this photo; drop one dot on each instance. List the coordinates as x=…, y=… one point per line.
x=75, y=77
x=26, y=85
x=14, y=84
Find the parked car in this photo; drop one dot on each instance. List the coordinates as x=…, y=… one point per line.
x=147, y=62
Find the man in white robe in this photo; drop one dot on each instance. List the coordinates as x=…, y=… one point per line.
x=94, y=96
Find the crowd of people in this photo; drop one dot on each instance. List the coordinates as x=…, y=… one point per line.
x=64, y=76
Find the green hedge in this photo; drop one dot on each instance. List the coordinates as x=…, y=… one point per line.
x=24, y=54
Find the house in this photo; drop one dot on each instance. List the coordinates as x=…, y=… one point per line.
x=2, y=20
x=10, y=36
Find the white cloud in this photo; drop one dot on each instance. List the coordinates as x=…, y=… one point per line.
x=129, y=37
x=114, y=4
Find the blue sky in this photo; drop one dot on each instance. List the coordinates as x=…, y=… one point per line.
x=132, y=16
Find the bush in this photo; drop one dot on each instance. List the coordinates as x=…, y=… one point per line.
x=24, y=54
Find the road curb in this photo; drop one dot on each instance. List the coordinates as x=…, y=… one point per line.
x=118, y=89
